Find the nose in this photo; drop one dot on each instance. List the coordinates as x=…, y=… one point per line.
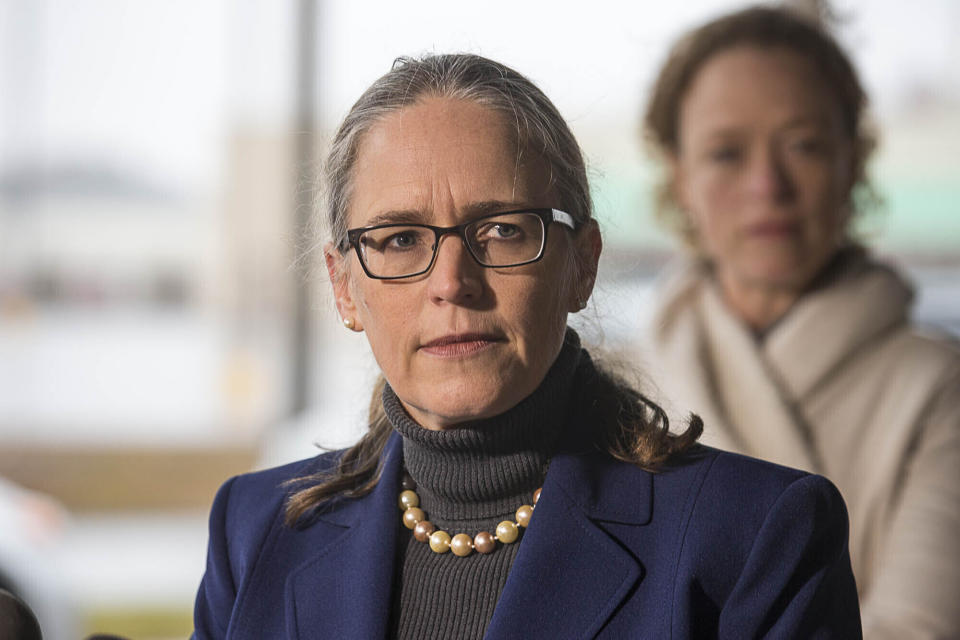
x=768, y=176
x=455, y=276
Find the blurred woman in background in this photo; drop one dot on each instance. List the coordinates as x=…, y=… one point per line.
x=461, y=237
x=791, y=340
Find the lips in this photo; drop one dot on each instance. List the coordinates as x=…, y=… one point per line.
x=773, y=228
x=460, y=344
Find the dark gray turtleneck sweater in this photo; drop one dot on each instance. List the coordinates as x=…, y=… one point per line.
x=469, y=479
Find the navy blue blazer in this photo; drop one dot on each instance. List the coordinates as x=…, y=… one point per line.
x=716, y=546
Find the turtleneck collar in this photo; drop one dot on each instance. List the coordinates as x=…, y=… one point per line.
x=490, y=467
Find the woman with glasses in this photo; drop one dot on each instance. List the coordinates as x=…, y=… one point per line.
x=508, y=486
x=789, y=337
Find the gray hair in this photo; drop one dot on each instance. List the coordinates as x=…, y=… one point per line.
x=631, y=427
x=539, y=127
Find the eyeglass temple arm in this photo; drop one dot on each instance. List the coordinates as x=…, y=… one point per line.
x=564, y=218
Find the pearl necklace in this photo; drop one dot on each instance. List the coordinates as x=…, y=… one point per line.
x=461, y=544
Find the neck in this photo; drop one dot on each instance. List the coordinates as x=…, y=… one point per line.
x=485, y=467
x=759, y=306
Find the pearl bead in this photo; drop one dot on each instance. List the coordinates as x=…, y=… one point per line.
x=412, y=516
x=483, y=542
x=461, y=545
x=440, y=541
x=523, y=515
x=409, y=499
x=507, y=531
x=536, y=496
x=423, y=530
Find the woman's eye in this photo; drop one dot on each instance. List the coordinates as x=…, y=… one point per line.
x=504, y=230
x=728, y=154
x=401, y=240
x=808, y=146
x=499, y=231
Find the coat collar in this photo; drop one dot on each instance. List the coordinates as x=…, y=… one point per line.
x=748, y=391
x=859, y=300
x=344, y=588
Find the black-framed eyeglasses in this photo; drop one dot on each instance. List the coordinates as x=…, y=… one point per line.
x=402, y=250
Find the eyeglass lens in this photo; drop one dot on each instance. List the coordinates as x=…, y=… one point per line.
x=499, y=241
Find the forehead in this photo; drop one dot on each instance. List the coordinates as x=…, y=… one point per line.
x=753, y=86
x=440, y=156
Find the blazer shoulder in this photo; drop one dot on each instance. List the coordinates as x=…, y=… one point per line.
x=758, y=538
x=734, y=496
x=248, y=506
x=703, y=460
x=268, y=489
x=732, y=490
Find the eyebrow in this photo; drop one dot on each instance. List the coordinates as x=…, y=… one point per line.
x=733, y=130
x=801, y=122
x=400, y=216
x=418, y=216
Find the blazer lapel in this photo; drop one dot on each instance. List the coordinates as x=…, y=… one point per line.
x=344, y=589
x=567, y=564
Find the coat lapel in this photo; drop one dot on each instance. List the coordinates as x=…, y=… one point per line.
x=714, y=367
x=691, y=382
x=681, y=366
x=344, y=589
x=864, y=300
x=750, y=392
x=567, y=564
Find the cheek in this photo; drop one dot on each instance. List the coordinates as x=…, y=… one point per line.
x=382, y=315
x=545, y=308
x=709, y=197
x=534, y=304
x=718, y=191
x=548, y=302
x=524, y=302
x=824, y=194
x=714, y=219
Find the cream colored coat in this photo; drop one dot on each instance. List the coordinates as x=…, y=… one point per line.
x=845, y=386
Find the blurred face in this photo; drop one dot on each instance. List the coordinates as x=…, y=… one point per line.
x=763, y=167
x=461, y=342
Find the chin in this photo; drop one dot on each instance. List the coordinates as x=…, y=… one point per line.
x=780, y=272
x=464, y=399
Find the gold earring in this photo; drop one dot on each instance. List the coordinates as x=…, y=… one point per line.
x=349, y=323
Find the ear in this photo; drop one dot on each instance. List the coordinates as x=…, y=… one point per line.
x=337, y=271
x=589, y=245
x=676, y=193
x=676, y=182
x=852, y=159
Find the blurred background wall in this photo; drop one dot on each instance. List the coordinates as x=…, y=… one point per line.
x=163, y=324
